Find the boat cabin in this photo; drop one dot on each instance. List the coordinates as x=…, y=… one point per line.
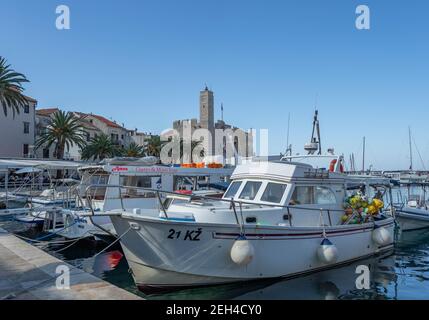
x=289, y=193
x=135, y=177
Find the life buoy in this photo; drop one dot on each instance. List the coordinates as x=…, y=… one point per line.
x=187, y=192
x=332, y=166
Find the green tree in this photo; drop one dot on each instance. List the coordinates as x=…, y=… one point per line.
x=64, y=131
x=11, y=88
x=100, y=147
x=133, y=150
x=154, y=146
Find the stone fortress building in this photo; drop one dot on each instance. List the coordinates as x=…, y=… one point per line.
x=226, y=142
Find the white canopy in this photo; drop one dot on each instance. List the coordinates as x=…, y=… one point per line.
x=45, y=164
x=28, y=170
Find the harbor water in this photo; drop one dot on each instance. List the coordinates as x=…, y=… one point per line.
x=400, y=274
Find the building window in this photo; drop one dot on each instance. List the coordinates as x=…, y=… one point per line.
x=46, y=153
x=26, y=108
x=25, y=150
x=88, y=137
x=122, y=137
x=26, y=127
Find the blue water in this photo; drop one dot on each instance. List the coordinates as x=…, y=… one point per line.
x=401, y=274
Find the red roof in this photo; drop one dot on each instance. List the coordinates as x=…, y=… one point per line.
x=46, y=112
x=106, y=121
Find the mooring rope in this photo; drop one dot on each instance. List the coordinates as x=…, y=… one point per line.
x=116, y=240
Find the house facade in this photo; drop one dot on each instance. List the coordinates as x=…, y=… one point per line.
x=17, y=133
x=93, y=126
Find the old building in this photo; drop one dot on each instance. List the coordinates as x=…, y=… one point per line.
x=226, y=141
x=93, y=125
x=18, y=133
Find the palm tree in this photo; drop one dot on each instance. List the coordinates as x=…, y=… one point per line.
x=154, y=146
x=100, y=147
x=133, y=150
x=64, y=130
x=11, y=89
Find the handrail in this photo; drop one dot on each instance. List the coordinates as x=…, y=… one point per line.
x=196, y=196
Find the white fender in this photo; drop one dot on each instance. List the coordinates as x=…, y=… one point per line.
x=327, y=252
x=242, y=251
x=381, y=236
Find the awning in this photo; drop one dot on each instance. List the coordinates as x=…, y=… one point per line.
x=28, y=170
x=45, y=164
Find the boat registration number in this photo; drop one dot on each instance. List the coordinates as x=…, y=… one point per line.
x=186, y=235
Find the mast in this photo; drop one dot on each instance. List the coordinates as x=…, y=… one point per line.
x=411, y=150
x=363, y=155
x=288, y=146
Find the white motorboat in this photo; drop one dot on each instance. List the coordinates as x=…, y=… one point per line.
x=101, y=190
x=413, y=212
x=277, y=219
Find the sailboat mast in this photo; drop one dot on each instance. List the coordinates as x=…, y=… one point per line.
x=411, y=150
x=363, y=155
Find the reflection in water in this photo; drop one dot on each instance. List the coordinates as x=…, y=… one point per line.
x=401, y=275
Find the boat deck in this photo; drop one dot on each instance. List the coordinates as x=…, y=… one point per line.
x=29, y=273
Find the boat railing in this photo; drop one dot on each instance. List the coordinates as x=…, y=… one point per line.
x=234, y=204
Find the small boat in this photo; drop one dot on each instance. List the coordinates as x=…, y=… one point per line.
x=276, y=219
x=412, y=213
x=115, y=185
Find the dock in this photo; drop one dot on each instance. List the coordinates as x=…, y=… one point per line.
x=29, y=273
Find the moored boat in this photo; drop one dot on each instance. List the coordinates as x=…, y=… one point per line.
x=277, y=219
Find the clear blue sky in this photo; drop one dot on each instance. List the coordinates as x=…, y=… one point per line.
x=144, y=62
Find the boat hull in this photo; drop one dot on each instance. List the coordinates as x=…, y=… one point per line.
x=410, y=219
x=171, y=254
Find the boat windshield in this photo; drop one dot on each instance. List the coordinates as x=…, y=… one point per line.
x=232, y=190
x=250, y=190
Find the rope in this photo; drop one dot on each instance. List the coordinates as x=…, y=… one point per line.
x=47, y=242
x=72, y=244
x=56, y=232
x=116, y=240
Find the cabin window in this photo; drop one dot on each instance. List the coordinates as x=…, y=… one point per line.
x=144, y=182
x=302, y=195
x=250, y=190
x=324, y=195
x=136, y=181
x=312, y=195
x=274, y=192
x=232, y=190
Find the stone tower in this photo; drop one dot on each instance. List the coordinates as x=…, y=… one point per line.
x=207, y=112
x=207, y=109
